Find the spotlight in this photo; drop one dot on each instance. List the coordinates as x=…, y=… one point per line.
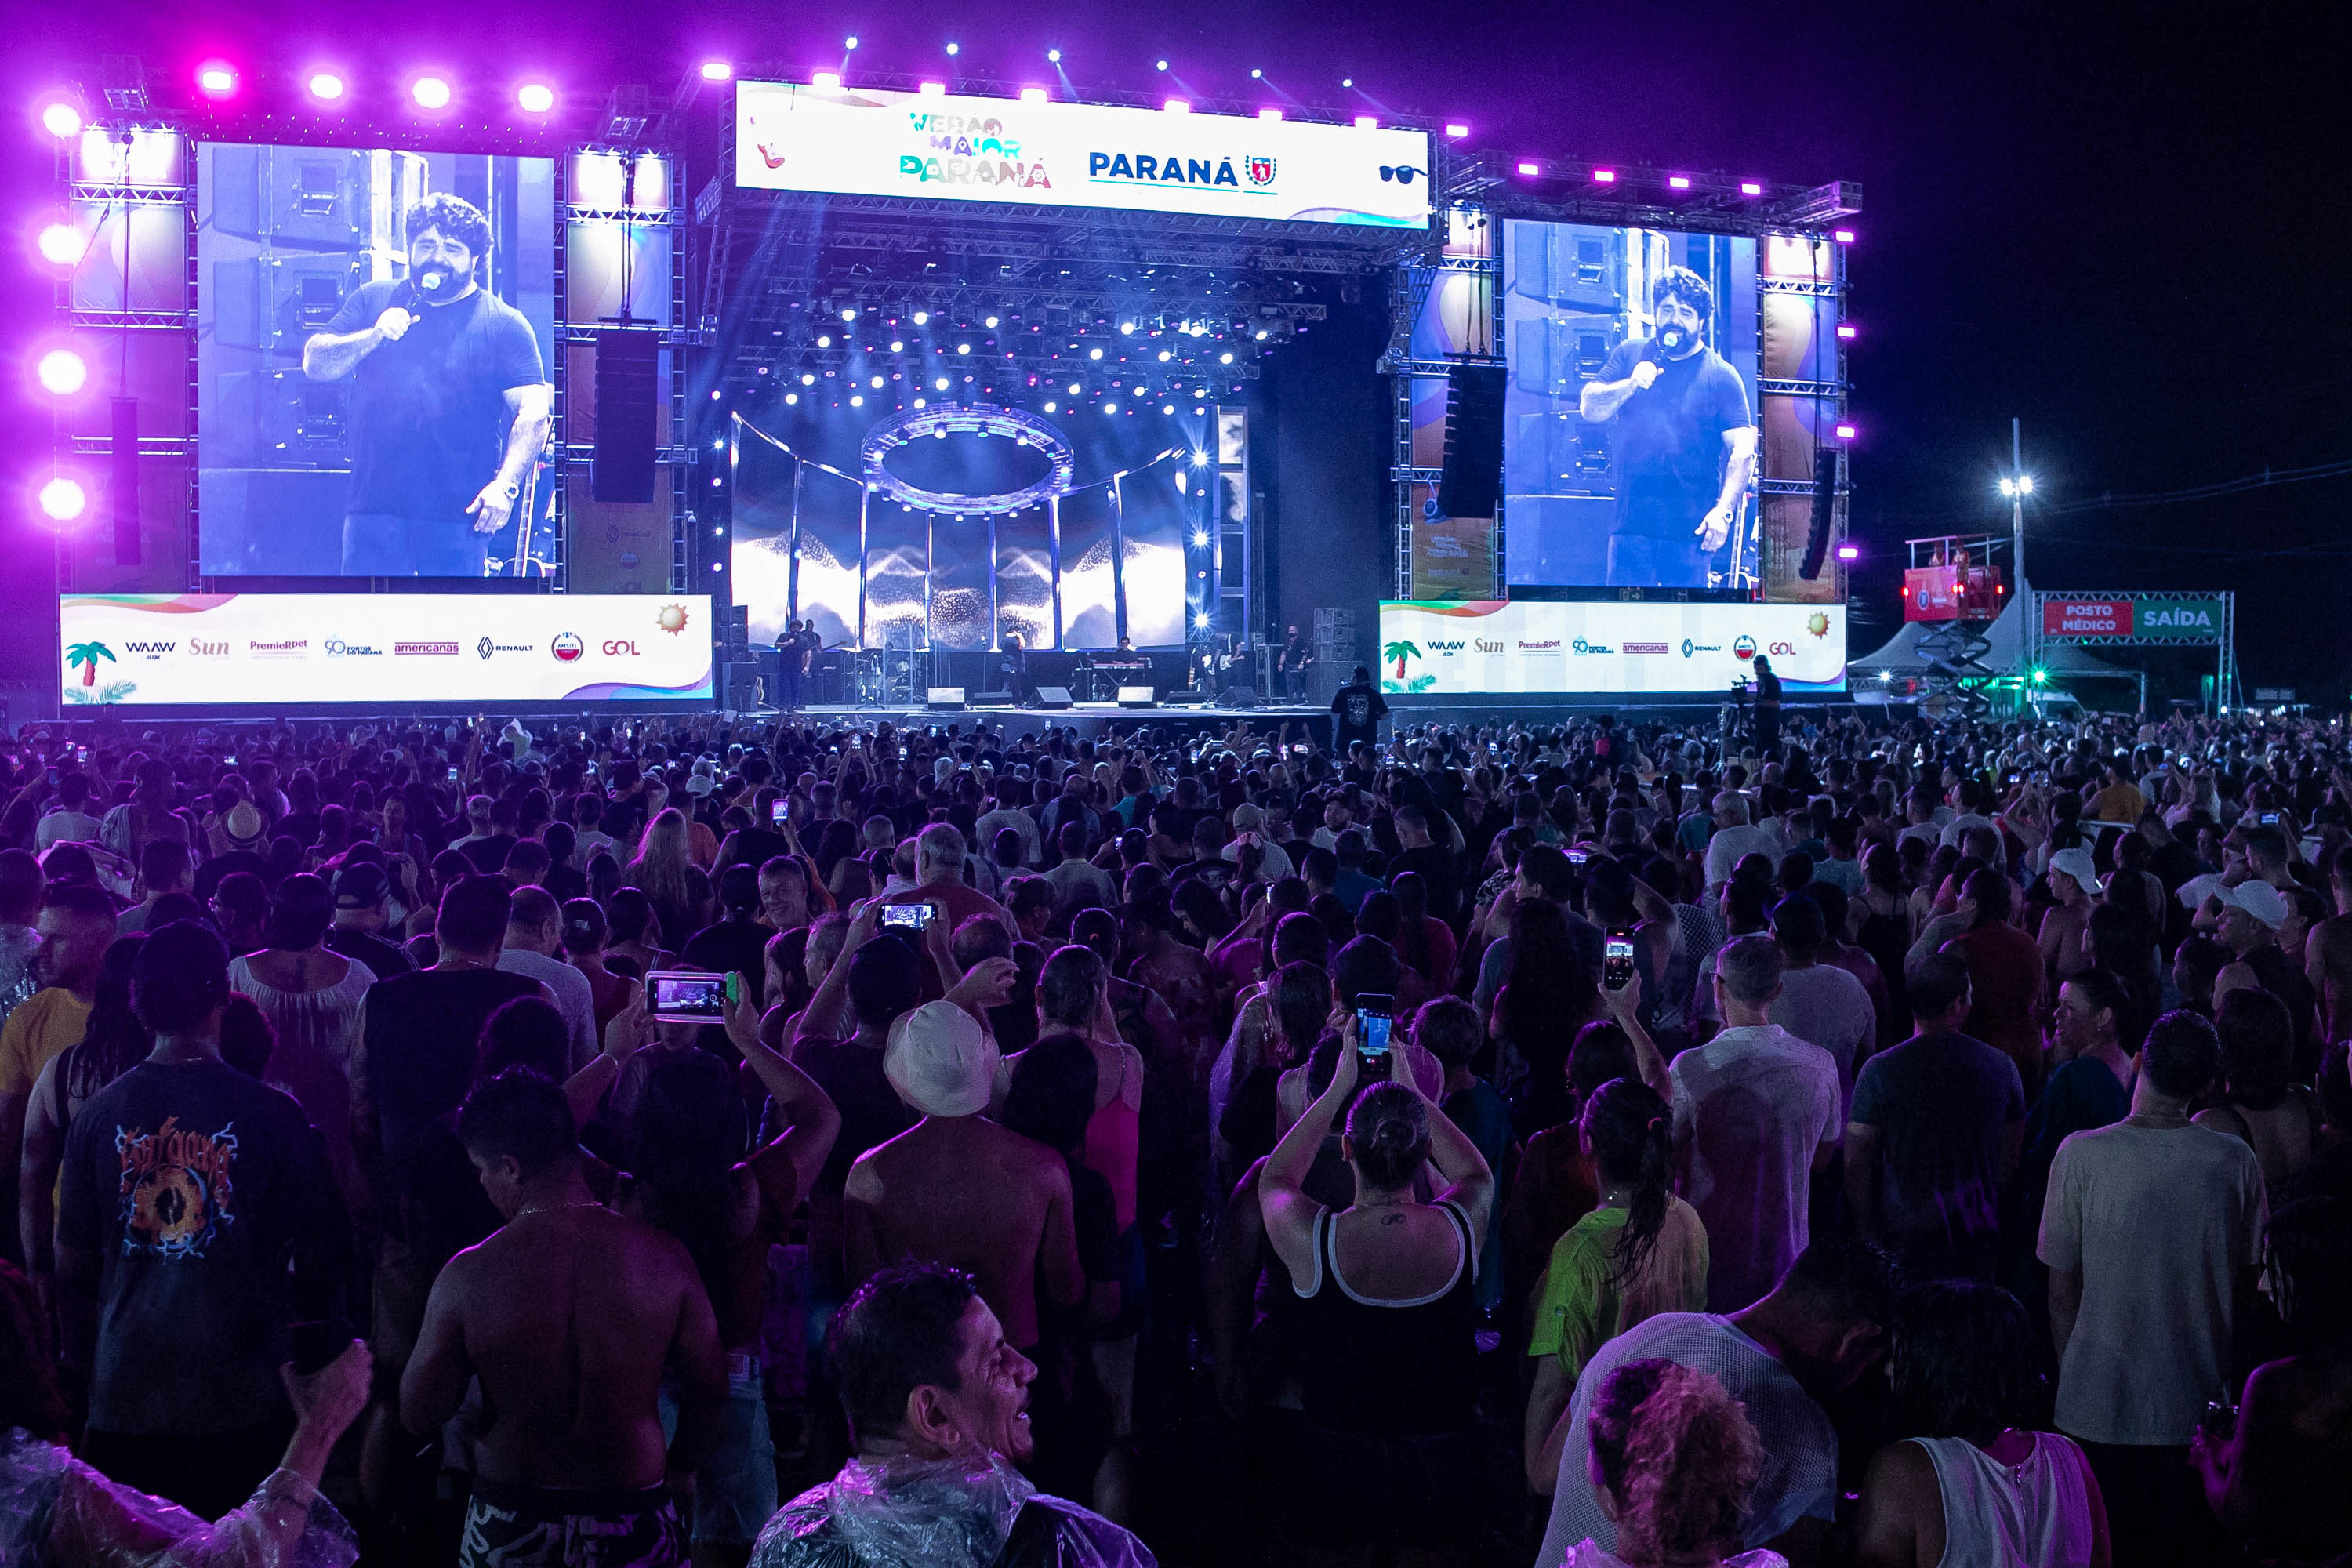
x=898, y=345
x=1529, y=170
x=1127, y=328
x=792, y=397
x=963, y=348
x=876, y=381
x=856, y=400
x=1167, y=408
x=430, y=92
x=1604, y=176
x=1347, y=81
x=1261, y=334
x=216, y=78
x=921, y=316
x=940, y=384
x=1200, y=461
x=1225, y=358
x=1849, y=552
x=933, y=90
x=1751, y=187
x=808, y=378
x=826, y=81
x=1160, y=64
x=1201, y=621
x=1177, y=106
x=62, y=500
x=990, y=322
x=1053, y=55
x=1269, y=114
x=824, y=340
x=1111, y=408
x=1678, y=182
x=1457, y=131
x=61, y=373
x=1845, y=329
x=850, y=42
x=1049, y=405
x=1074, y=389
x=326, y=86
x=849, y=313
x=1844, y=236
x=1094, y=354
x=1200, y=539
x=1368, y=123
x=1163, y=356
x=1257, y=75
x=60, y=119
x=718, y=70
x=1032, y=95
x=535, y=98
x=955, y=49
x=1845, y=432
x=60, y=244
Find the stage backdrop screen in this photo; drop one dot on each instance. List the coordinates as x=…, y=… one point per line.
x=1469, y=647
x=465, y=649
x=1630, y=417
x=864, y=141
x=375, y=331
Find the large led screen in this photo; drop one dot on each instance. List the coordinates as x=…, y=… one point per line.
x=868, y=142
x=375, y=333
x=290, y=650
x=1629, y=432
x=1466, y=647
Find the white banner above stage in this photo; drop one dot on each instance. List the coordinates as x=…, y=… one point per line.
x=465, y=649
x=1445, y=649
x=859, y=141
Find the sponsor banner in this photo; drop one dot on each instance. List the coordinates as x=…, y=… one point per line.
x=1497, y=646
x=2086, y=618
x=868, y=142
x=2179, y=620
x=287, y=649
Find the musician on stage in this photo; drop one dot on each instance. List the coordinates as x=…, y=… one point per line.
x=450, y=403
x=1297, y=656
x=1685, y=443
x=1013, y=668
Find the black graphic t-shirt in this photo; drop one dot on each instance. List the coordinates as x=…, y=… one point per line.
x=428, y=413
x=1359, y=710
x=1668, y=439
x=194, y=1186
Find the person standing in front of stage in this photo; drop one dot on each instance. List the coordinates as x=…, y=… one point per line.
x=1298, y=655
x=1357, y=710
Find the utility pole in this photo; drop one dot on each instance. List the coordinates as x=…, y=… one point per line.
x=2017, y=484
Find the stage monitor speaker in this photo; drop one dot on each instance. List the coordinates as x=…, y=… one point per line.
x=1055, y=696
x=1238, y=697
x=1817, y=543
x=1138, y=696
x=944, y=698
x=623, y=466
x=1471, y=482
x=993, y=699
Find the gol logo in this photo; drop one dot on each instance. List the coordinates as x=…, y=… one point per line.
x=617, y=646
x=566, y=648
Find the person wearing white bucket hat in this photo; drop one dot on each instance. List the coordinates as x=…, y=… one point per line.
x=956, y=1188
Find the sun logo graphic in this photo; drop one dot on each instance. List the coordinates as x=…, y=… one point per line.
x=671, y=618
x=1818, y=624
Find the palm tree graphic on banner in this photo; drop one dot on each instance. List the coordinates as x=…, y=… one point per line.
x=1401, y=650
x=84, y=656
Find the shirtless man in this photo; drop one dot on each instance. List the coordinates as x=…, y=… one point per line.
x=570, y=1315
x=956, y=1188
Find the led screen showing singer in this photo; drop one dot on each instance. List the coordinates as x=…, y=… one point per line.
x=375, y=330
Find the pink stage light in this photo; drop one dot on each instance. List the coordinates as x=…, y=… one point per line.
x=1849, y=552
x=1177, y=106
x=60, y=119
x=1846, y=329
x=327, y=86
x=535, y=98
x=61, y=373
x=718, y=70
x=1845, y=432
x=1529, y=169
x=217, y=78
x=1604, y=176
x=933, y=90
x=1751, y=187
x=1366, y=122
x=1032, y=95
x=60, y=244
x=1678, y=182
x=430, y=92
x=62, y=500
x=830, y=81
x=1844, y=236
x=1457, y=132
x=1269, y=114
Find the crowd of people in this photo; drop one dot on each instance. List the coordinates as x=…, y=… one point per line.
x=1558, y=1143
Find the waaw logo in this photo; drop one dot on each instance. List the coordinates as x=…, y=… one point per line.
x=1434, y=646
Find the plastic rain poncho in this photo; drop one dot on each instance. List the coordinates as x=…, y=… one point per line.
x=57, y=1512
x=943, y=1513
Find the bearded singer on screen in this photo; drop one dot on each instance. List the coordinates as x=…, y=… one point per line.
x=1684, y=444
x=450, y=403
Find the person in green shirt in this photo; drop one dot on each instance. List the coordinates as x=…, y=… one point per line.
x=1642, y=1252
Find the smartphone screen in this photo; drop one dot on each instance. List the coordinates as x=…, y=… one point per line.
x=683, y=996
x=1578, y=856
x=1617, y=961
x=912, y=917
x=1375, y=1018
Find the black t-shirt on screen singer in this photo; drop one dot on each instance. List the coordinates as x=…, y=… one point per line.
x=428, y=413
x=1668, y=439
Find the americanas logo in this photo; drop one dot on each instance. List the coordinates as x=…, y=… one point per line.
x=1743, y=647
x=566, y=648
x=1646, y=648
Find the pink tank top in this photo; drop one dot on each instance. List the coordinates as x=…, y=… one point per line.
x=1112, y=1142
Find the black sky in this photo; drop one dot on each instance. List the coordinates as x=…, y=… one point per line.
x=2123, y=225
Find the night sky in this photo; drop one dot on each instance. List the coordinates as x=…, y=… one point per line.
x=2123, y=224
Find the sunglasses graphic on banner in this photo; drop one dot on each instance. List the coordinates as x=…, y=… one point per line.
x=1403, y=173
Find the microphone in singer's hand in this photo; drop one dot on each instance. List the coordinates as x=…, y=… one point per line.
x=1671, y=338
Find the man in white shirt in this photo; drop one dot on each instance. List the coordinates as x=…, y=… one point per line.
x=1012, y=796
x=1756, y=1111
x=1075, y=879
x=1735, y=839
x=69, y=824
x=1820, y=1003
x=1971, y=794
x=534, y=935
x=1248, y=819
x=2151, y=1227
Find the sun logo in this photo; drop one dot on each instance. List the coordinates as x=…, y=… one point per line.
x=1818, y=624
x=671, y=618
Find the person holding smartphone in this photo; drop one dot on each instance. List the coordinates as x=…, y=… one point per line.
x=1390, y=1283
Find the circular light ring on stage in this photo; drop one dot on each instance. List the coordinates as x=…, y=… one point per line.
x=969, y=419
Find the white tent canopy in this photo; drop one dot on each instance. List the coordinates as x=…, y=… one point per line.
x=1900, y=656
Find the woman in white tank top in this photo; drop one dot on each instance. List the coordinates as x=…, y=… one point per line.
x=1977, y=1487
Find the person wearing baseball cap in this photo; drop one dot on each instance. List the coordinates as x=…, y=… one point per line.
x=2251, y=913
x=2076, y=863
x=956, y=1188
x=361, y=889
